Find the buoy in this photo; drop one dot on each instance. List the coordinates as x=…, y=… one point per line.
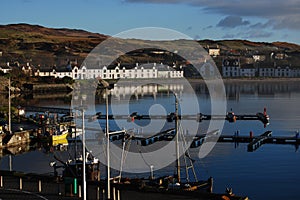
x=265, y=111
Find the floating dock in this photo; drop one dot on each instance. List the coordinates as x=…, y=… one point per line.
x=231, y=117
x=254, y=141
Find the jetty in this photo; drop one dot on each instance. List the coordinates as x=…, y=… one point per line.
x=230, y=117
x=47, y=109
x=254, y=142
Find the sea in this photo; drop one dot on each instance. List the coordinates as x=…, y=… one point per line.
x=270, y=172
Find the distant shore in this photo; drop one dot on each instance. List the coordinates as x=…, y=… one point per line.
x=229, y=80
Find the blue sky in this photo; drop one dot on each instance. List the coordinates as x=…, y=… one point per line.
x=256, y=20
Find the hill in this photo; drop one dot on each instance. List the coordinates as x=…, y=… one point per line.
x=46, y=47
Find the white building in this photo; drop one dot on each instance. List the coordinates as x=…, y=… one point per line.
x=214, y=52
x=282, y=72
x=152, y=70
x=266, y=71
x=259, y=57
x=231, y=68
x=5, y=69
x=248, y=71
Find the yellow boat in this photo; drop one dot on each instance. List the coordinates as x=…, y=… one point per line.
x=60, y=142
x=61, y=136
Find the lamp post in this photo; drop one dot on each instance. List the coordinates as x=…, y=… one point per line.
x=106, y=86
x=83, y=157
x=177, y=138
x=82, y=108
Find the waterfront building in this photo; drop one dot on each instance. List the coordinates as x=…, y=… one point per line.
x=266, y=71
x=149, y=70
x=5, y=69
x=231, y=68
x=248, y=71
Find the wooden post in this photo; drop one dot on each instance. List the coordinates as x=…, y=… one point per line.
x=79, y=191
x=119, y=198
x=98, y=193
x=103, y=194
x=211, y=183
x=1, y=181
x=40, y=186
x=21, y=183
x=114, y=193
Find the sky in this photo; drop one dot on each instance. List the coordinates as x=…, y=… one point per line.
x=255, y=20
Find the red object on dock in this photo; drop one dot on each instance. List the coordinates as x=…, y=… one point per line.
x=251, y=134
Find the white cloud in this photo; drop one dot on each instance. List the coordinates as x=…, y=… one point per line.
x=280, y=14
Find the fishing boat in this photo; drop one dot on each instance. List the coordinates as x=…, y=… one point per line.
x=173, y=184
x=61, y=133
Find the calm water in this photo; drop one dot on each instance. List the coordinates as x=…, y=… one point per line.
x=271, y=172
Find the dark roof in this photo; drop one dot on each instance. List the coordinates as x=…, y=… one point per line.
x=231, y=62
x=5, y=67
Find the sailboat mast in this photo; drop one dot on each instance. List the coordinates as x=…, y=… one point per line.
x=9, y=106
x=177, y=138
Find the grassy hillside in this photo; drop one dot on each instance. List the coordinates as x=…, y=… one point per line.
x=47, y=46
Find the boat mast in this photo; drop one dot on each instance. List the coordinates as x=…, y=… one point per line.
x=9, y=107
x=177, y=138
x=107, y=146
x=83, y=157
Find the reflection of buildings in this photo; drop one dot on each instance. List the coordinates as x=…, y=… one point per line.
x=268, y=88
x=145, y=90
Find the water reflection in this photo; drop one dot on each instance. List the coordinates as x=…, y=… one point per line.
x=248, y=173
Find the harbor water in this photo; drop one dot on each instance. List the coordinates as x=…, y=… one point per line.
x=270, y=172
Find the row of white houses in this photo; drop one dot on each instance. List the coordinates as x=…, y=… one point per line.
x=150, y=70
x=232, y=68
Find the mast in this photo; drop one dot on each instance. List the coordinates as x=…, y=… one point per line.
x=107, y=146
x=177, y=138
x=83, y=156
x=9, y=107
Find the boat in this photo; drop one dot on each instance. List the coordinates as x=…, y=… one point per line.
x=62, y=142
x=172, y=184
x=61, y=133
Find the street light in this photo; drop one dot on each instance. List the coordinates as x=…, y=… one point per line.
x=106, y=86
x=82, y=108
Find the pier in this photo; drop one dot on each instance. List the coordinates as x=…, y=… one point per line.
x=230, y=117
x=254, y=142
x=47, y=109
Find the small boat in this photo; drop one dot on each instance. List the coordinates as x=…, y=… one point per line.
x=61, y=134
x=62, y=142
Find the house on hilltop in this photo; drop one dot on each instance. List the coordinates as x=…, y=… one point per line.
x=5, y=69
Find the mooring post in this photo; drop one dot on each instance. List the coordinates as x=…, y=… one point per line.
x=40, y=186
x=114, y=193
x=21, y=183
x=79, y=191
x=211, y=183
x=103, y=194
x=98, y=191
x=119, y=198
x=1, y=181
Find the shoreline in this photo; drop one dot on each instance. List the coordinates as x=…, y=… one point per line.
x=232, y=80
